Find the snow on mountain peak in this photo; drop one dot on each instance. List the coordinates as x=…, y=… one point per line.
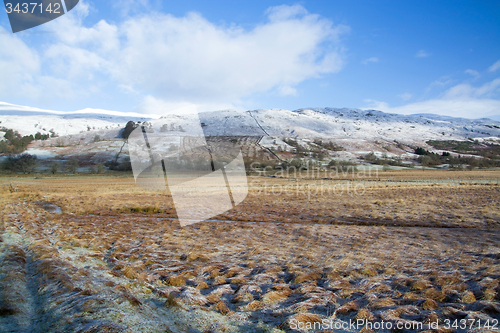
x=340, y=123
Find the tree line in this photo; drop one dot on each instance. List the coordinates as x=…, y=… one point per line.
x=26, y=163
x=14, y=143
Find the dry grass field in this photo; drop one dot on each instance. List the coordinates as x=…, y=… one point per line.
x=99, y=254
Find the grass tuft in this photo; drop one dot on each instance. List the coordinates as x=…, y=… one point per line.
x=429, y=304
x=177, y=281
x=222, y=307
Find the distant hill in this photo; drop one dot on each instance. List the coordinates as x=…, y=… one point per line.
x=301, y=123
x=95, y=134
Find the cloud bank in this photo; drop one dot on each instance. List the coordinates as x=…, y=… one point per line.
x=172, y=60
x=462, y=100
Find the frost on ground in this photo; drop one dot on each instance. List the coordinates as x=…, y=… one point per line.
x=102, y=267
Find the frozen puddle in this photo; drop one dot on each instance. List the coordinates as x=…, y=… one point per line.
x=50, y=207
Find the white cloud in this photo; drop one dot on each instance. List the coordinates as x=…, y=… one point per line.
x=189, y=59
x=73, y=62
x=285, y=12
x=463, y=107
x=441, y=82
x=287, y=91
x=367, y=61
x=466, y=90
x=20, y=67
x=472, y=72
x=462, y=100
x=405, y=96
x=153, y=105
x=494, y=67
x=373, y=104
x=422, y=54
x=131, y=6
x=54, y=70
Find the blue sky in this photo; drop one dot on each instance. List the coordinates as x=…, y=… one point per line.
x=156, y=56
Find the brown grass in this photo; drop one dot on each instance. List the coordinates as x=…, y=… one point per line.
x=383, y=303
x=130, y=272
x=360, y=256
x=365, y=314
x=429, y=304
x=348, y=307
x=309, y=276
x=468, y=297
x=202, y=285
x=255, y=306
x=306, y=318
x=273, y=297
x=171, y=301
x=222, y=307
x=177, y=281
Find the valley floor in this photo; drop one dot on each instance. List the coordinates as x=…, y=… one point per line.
x=413, y=249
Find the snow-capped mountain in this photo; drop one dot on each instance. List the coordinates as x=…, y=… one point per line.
x=30, y=120
x=302, y=123
x=357, y=131
x=347, y=124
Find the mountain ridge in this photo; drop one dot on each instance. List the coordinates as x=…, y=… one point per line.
x=327, y=123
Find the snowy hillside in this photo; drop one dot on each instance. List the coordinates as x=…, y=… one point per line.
x=29, y=120
x=302, y=123
x=94, y=134
x=346, y=123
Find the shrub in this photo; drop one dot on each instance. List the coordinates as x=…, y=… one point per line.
x=24, y=163
x=291, y=142
x=60, y=142
x=125, y=165
x=100, y=168
x=40, y=136
x=296, y=163
x=329, y=145
x=72, y=165
x=422, y=151
x=342, y=165
x=385, y=161
x=14, y=143
x=54, y=167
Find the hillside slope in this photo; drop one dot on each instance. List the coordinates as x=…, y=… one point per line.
x=356, y=131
